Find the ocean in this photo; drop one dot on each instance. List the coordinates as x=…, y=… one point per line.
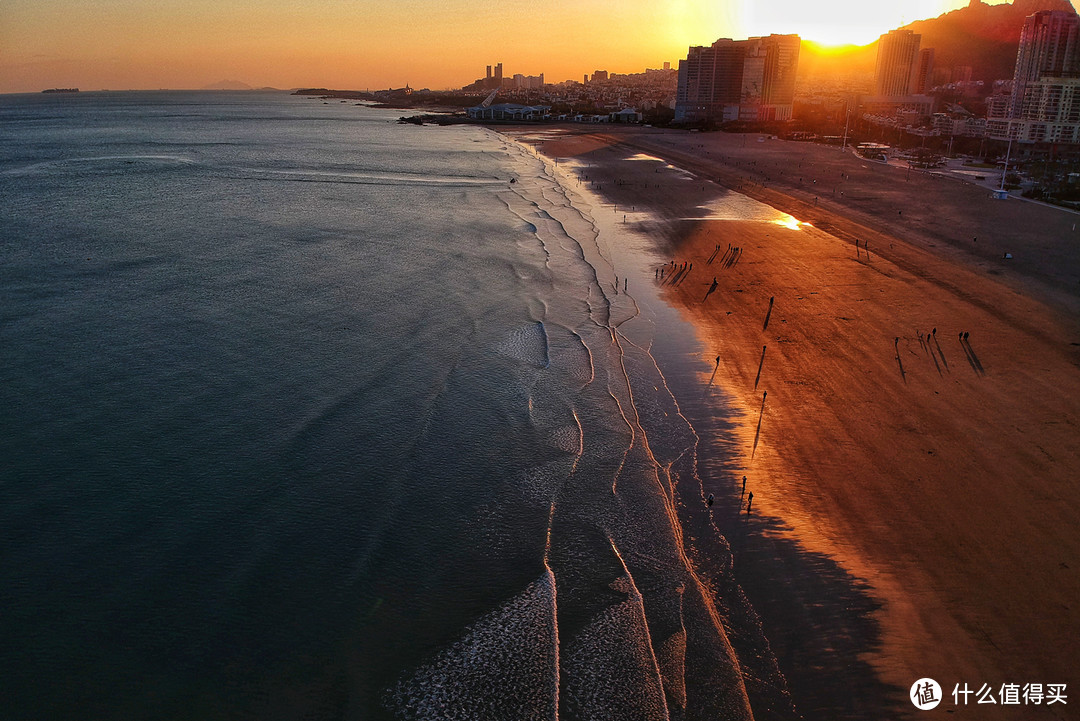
x=307, y=413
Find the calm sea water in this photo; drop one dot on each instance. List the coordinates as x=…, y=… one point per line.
x=309, y=414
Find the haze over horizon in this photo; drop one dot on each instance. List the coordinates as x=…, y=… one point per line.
x=125, y=44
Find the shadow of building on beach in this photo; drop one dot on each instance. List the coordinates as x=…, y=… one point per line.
x=819, y=621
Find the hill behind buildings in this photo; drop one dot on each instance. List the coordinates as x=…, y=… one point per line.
x=980, y=36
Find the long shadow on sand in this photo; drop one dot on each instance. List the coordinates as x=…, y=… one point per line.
x=972, y=359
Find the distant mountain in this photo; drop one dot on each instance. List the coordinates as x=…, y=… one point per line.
x=229, y=85
x=982, y=36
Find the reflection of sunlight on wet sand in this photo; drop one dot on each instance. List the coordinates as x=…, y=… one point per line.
x=736, y=206
x=643, y=156
x=787, y=221
x=790, y=221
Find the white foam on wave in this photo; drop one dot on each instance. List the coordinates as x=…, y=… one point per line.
x=566, y=438
x=613, y=668
x=506, y=666
x=608, y=669
x=528, y=344
x=539, y=484
x=117, y=160
x=671, y=656
x=362, y=178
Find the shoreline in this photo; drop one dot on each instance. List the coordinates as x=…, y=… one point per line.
x=916, y=477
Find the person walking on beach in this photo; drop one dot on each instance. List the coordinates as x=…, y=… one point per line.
x=709, y=501
x=749, y=501
x=743, y=485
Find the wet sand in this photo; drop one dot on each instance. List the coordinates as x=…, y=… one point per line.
x=915, y=495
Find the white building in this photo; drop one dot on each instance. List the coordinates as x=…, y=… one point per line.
x=1044, y=106
x=626, y=115
x=509, y=111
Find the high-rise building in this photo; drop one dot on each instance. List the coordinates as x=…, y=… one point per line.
x=710, y=82
x=1049, y=47
x=779, y=60
x=901, y=76
x=521, y=81
x=924, y=72
x=1045, y=101
x=751, y=79
x=897, y=62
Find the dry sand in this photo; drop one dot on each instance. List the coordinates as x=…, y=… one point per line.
x=916, y=499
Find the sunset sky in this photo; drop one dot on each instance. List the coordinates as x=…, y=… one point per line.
x=358, y=44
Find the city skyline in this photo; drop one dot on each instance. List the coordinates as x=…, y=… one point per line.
x=121, y=44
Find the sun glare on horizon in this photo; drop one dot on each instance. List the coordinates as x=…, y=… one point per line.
x=439, y=44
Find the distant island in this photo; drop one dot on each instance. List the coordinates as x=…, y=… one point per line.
x=61, y=90
x=228, y=85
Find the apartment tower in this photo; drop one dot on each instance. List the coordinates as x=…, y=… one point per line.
x=897, y=63
x=1045, y=101
x=750, y=80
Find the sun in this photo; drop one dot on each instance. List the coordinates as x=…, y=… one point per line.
x=840, y=36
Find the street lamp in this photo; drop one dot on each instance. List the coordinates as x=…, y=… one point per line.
x=847, y=117
x=1006, y=168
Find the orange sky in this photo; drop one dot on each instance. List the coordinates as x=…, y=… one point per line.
x=357, y=44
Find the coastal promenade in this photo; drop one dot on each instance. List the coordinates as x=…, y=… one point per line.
x=907, y=400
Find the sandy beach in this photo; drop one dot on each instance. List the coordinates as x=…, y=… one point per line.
x=906, y=409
